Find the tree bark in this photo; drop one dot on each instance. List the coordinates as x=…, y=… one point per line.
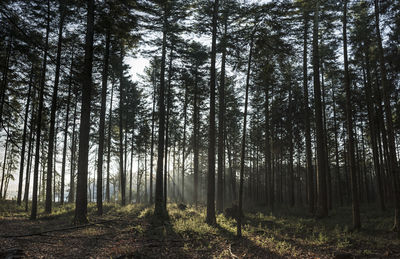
x=169, y=103
x=310, y=170
x=349, y=122
x=21, y=165
x=152, y=136
x=31, y=142
x=39, y=118
x=372, y=125
x=322, y=195
x=81, y=192
x=184, y=147
x=389, y=123
x=109, y=146
x=210, y=219
x=64, y=157
x=159, y=208
x=221, y=126
x=71, y=195
x=48, y=204
x=121, y=130
x=100, y=158
x=243, y=148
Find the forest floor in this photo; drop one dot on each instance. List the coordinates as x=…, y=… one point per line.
x=133, y=232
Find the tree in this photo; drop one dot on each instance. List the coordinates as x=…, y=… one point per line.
x=243, y=149
x=21, y=166
x=54, y=109
x=210, y=219
x=39, y=118
x=389, y=123
x=322, y=193
x=349, y=121
x=81, y=192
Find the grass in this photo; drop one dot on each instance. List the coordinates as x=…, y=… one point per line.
x=184, y=233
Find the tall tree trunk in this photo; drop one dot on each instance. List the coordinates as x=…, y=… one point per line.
x=322, y=193
x=232, y=173
x=268, y=165
x=81, y=191
x=372, y=124
x=327, y=162
x=71, y=195
x=221, y=126
x=152, y=137
x=184, y=145
x=243, y=148
x=21, y=165
x=131, y=169
x=159, y=208
x=349, y=120
x=31, y=140
x=48, y=204
x=121, y=130
x=169, y=103
x=196, y=126
x=310, y=170
x=64, y=157
x=109, y=145
x=210, y=219
x=4, y=80
x=339, y=181
x=3, y=176
x=389, y=123
x=100, y=157
x=39, y=118
x=291, y=148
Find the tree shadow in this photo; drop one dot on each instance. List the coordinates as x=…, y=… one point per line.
x=245, y=247
x=158, y=239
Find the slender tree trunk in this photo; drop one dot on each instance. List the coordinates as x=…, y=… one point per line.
x=48, y=204
x=196, y=135
x=4, y=80
x=268, y=165
x=71, y=195
x=327, y=162
x=339, y=181
x=64, y=157
x=221, y=126
x=349, y=120
x=81, y=192
x=210, y=219
x=29, y=164
x=322, y=193
x=389, y=123
x=138, y=179
x=372, y=125
x=109, y=146
x=291, y=148
x=145, y=173
x=169, y=103
x=243, y=148
x=159, y=208
x=184, y=147
x=4, y=163
x=121, y=130
x=131, y=170
x=39, y=118
x=100, y=157
x=310, y=170
x=232, y=173
x=21, y=165
x=152, y=137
